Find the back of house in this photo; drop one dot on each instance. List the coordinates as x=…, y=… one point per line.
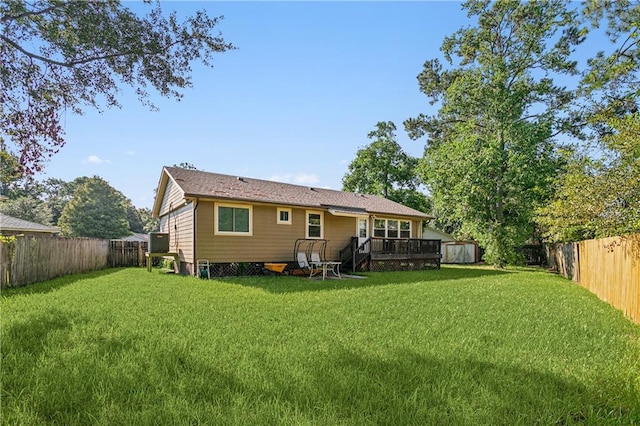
x=233, y=220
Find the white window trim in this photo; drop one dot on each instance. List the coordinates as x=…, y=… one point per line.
x=283, y=222
x=400, y=227
x=386, y=227
x=306, y=224
x=241, y=206
x=358, y=227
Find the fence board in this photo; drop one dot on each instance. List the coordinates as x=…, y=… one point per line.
x=31, y=259
x=610, y=268
x=127, y=253
x=563, y=259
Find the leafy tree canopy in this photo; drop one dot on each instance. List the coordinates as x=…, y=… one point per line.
x=598, y=196
x=490, y=155
x=185, y=165
x=149, y=223
x=383, y=168
x=96, y=210
x=57, y=56
x=27, y=208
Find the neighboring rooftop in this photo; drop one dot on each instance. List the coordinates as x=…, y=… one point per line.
x=13, y=224
x=199, y=184
x=136, y=237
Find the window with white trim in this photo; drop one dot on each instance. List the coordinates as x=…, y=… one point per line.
x=284, y=216
x=391, y=228
x=233, y=219
x=315, y=224
x=380, y=228
x=405, y=229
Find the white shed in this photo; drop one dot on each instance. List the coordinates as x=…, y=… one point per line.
x=460, y=252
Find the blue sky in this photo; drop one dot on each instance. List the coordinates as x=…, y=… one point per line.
x=294, y=103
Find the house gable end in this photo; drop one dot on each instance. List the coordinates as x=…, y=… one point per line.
x=169, y=196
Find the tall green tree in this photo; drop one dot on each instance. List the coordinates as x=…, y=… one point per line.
x=383, y=168
x=149, y=223
x=59, y=56
x=134, y=218
x=57, y=193
x=598, y=196
x=96, y=210
x=27, y=208
x=610, y=86
x=489, y=157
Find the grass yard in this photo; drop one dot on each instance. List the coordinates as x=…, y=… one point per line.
x=460, y=345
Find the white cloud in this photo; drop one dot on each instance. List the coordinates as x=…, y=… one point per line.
x=298, y=179
x=94, y=159
x=305, y=179
x=280, y=178
x=129, y=153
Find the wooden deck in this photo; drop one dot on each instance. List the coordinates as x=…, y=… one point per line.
x=389, y=254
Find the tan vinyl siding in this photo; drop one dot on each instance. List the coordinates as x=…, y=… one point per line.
x=173, y=197
x=338, y=231
x=179, y=225
x=271, y=241
x=416, y=229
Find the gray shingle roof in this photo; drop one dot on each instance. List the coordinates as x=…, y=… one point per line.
x=10, y=223
x=196, y=183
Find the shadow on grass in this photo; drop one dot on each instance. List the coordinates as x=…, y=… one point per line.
x=426, y=390
x=292, y=284
x=55, y=283
x=339, y=385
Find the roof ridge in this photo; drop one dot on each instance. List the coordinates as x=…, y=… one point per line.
x=268, y=180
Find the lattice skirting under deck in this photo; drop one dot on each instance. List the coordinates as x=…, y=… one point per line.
x=401, y=265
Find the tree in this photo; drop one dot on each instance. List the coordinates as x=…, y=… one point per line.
x=187, y=166
x=57, y=56
x=57, y=193
x=9, y=172
x=383, y=168
x=490, y=154
x=96, y=210
x=599, y=196
x=610, y=87
x=27, y=208
x=150, y=223
x=134, y=218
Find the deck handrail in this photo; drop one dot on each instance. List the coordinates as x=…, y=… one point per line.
x=405, y=245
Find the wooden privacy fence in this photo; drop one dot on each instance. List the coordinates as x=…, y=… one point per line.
x=26, y=259
x=30, y=259
x=127, y=253
x=608, y=267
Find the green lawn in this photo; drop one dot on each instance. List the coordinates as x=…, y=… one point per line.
x=453, y=346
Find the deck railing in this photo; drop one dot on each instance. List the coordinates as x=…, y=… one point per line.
x=404, y=246
x=354, y=254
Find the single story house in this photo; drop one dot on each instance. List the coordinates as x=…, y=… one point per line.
x=10, y=225
x=239, y=222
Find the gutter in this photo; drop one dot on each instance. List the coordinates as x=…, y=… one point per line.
x=195, y=233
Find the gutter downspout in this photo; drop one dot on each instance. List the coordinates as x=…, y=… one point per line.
x=195, y=233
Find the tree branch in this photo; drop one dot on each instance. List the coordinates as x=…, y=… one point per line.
x=7, y=18
x=71, y=64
